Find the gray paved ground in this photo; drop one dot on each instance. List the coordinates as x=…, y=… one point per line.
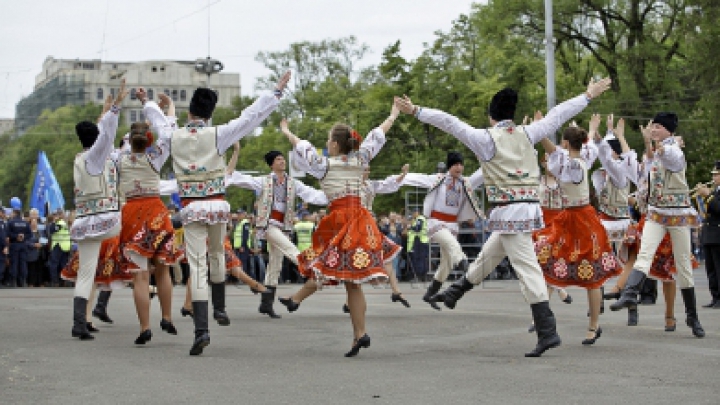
x=473, y=354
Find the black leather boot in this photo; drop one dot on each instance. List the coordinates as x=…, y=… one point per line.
x=452, y=294
x=202, y=333
x=266, y=303
x=628, y=298
x=79, y=329
x=545, y=329
x=432, y=290
x=648, y=292
x=100, y=311
x=691, y=320
x=218, y=302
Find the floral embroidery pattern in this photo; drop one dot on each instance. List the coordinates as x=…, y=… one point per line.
x=560, y=269
x=361, y=259
x=585, y=270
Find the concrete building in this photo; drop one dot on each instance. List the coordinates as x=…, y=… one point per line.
x=81, y=81
x=6, y=124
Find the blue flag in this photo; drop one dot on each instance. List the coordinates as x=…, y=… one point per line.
x=174, y=197
x=46, y=189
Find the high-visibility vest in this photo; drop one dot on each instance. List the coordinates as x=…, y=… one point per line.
x=303, y=232
x=61, y=237
x=423, y=234
x=237, y=235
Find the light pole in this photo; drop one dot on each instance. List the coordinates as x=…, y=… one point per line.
x=208, y=66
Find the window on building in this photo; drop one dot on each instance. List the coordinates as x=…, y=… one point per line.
x=154, y=69
x=183, y=95
x=100, y=93
x=133, y=116
x=175, y=95
x=167, y=92
x=133, y=94
x=88, y=66
x=150, y=94
x=162, y=68
x=114, y=66
x=112, y=92
x=142, y=116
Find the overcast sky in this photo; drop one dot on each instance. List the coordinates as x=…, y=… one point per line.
x=134, y=30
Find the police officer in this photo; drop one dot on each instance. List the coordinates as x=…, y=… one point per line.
x=419, y=244
x=59, y=249
x=18, y=233
x=3, y=245
x=710, y=236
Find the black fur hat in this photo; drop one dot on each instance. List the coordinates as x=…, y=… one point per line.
x=87, y=132
x=202, y=103
x=453, y=158
x=716, y=169
x=667, y=119
x=270, y=157
x=503, y=104
x=615, y=145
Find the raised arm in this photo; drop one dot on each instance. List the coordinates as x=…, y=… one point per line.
x=242, y=180
x=561, y=113
x=251, y=117
x=103, y=146
x=420, y=180
x=305, y=156
x=153, y=113
x=477, y=179
x=310, y=195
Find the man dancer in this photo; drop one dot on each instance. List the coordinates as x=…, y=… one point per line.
x=669, y=210
x=509, y=164
x=710, y=236
x=97, y=203
x=275, y=215
x=199, y=165
x=450, y=199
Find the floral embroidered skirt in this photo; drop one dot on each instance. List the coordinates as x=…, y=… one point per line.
x=109, y=272
x=663, y=265
x=574, y=250
x=147, y=231
x=347, y=246
x=231, y=259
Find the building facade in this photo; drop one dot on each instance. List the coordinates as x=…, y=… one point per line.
x=6, y=124
x=81, y=81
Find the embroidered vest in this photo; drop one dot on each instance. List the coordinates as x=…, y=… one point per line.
x=344, y=177
x=95, y=194
x=138, y=177
x=613, y=200
x=267, y=198
x=667, y=189
x=466, y=211
x=550, y=197
x=369, y=195
x=576, y=195
x=512, y=175
x=199, y=168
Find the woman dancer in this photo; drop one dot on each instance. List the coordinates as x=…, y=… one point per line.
x=147, y=236
x=347, y=245
x=575, y=249
x=373, y=188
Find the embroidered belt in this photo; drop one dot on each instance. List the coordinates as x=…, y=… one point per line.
x=187, y=200
x=277, y=215
x=504, y=203
x=443, y=216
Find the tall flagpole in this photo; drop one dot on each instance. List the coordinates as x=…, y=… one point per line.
x=550, y=58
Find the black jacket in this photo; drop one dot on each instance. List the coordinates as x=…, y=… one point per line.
x=711, y=225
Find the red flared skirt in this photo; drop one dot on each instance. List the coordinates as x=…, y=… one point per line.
x=231, y=260
x=575, y=250
x=663, y=265
x=109, y=269
x=147, y=231
x=347, y=246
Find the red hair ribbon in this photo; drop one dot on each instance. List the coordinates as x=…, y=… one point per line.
x=149, y=136
x=356, y=136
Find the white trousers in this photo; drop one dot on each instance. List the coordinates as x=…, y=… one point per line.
x=450, y=253
x=203, y=243
x=89, y=252
x=279, y=246
x=518, y=247
x=652, y=235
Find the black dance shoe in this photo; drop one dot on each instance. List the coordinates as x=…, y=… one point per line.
x=672, y=327
x=168, y=327
x=531, y=329
x=221, y=317
x=144, y=337
x=291, y=305
x=568, y=299
x=186, y=312
x=598, y=333
x=91, y=328
x=346, y=308
x=202, y=340
x=364, y=341
x=399, y=297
